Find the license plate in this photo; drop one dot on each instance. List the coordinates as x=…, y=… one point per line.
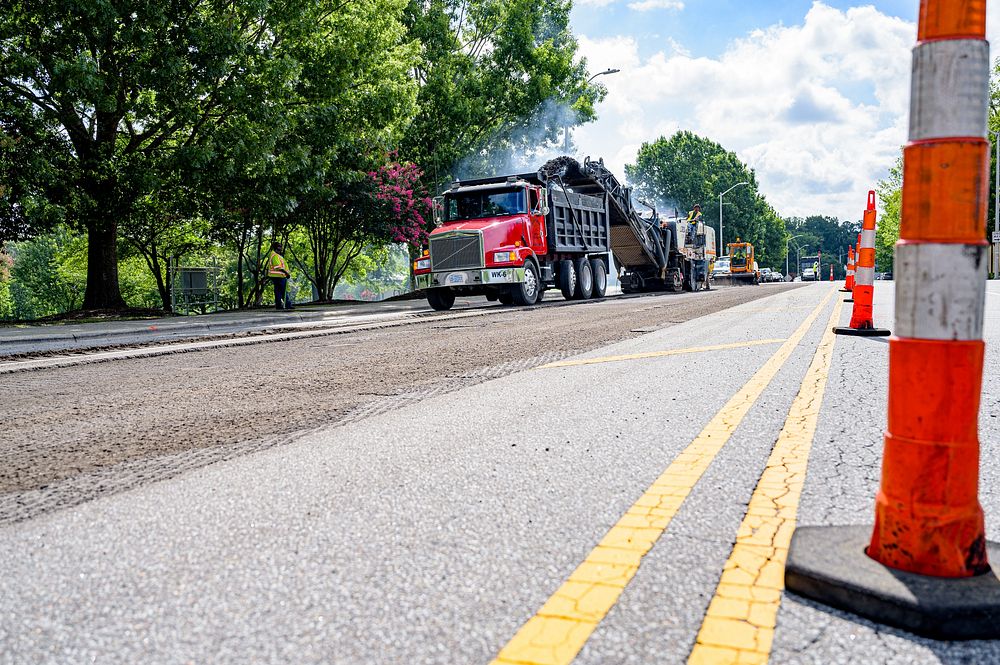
x=455, y=278
x=500, y=275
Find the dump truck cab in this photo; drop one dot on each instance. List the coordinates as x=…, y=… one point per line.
x=510, y=238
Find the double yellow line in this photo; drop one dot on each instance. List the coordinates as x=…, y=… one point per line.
x=560, y=628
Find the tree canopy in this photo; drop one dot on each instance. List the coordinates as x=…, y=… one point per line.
x=125, y=118
x=685, y=169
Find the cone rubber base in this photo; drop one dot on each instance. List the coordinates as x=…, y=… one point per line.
x=848, y=299
x=828, y=564
x=845, y=290
x=862, y=332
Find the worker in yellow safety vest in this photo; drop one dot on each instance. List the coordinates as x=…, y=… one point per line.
x=277, y=270
x=693, y=219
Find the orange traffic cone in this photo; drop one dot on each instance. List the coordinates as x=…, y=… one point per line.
x=831, y=272
x=864, y=280
x=926, y=566
x=849, y=281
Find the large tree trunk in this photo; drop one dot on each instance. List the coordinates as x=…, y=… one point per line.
x=103, y=291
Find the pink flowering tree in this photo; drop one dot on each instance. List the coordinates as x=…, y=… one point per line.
x=403, y=202
x=356, y=210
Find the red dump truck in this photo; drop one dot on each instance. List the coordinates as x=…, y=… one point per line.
x=511, y=237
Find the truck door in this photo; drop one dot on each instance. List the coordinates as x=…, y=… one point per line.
x=536, y=222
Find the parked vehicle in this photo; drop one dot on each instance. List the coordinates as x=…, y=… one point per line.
x=721, y=267
x=765, y=274
x=777, y=276
x=512, y=237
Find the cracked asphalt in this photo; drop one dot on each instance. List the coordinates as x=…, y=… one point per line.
x=427, y=520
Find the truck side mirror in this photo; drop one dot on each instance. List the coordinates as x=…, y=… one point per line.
x=437, y=206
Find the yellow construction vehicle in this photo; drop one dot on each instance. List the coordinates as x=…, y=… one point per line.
x=742, y=263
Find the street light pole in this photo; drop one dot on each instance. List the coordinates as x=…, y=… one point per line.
x=995, y=264
x=739, y=184
x=786, y=252
x=566, y=130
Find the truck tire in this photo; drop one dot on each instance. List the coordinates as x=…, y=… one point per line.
x=440, y=299
x=600, y=274
x=567, y=278
x=528, y=291
x=584, y=280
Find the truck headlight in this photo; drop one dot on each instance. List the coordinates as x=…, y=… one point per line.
x=422, y=264
x=504, y=257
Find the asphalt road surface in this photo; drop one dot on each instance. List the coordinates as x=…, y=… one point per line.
x=74, y=433
x=452, y=493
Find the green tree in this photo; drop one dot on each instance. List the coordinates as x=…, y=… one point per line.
x=677, y=172
x=821, y=233
x=356, y=96
x=486, y=70
x=112, y=92
x=48, y=273
x=890, y=194
x=6, y=297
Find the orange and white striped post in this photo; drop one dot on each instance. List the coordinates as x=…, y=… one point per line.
x=926, y=565
x=831, y=272
x=849, y=282
x=928, y=519
x=864, y=280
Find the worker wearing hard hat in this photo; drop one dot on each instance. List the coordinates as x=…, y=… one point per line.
x=694, y=216
x=693, y=220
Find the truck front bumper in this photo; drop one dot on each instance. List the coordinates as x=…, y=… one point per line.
x=486, y=277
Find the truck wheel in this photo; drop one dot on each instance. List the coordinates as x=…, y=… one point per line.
x=584, y=280
x=567, y=278
x=440, y=299
x=527, y=292
x=600, y=278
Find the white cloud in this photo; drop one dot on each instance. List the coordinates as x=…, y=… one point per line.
x=593, y=3
x=649, y=5
x=818, y=109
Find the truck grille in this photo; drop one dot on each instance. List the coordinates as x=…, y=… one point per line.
x=457, y=252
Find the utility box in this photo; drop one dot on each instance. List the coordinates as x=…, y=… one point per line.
x=194, y=289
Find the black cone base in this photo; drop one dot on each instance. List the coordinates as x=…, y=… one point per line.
x=829, y=565
x=862, y=332
x=845, y=290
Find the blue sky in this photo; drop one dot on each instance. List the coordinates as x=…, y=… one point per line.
x=812, y=94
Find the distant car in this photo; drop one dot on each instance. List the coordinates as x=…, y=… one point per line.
x=776, y=276
x=808, y=275
x=765, y=274
x=721, y=268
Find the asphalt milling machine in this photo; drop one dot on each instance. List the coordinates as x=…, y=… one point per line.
x=565, y=226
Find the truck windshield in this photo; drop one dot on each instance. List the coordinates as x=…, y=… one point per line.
x=485, y=203
x=738, y=257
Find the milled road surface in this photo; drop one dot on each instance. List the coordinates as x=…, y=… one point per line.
x=73, y=434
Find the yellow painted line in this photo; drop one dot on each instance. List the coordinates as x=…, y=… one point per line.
x=660, y=354
x=565, y=622
x=739, y=624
